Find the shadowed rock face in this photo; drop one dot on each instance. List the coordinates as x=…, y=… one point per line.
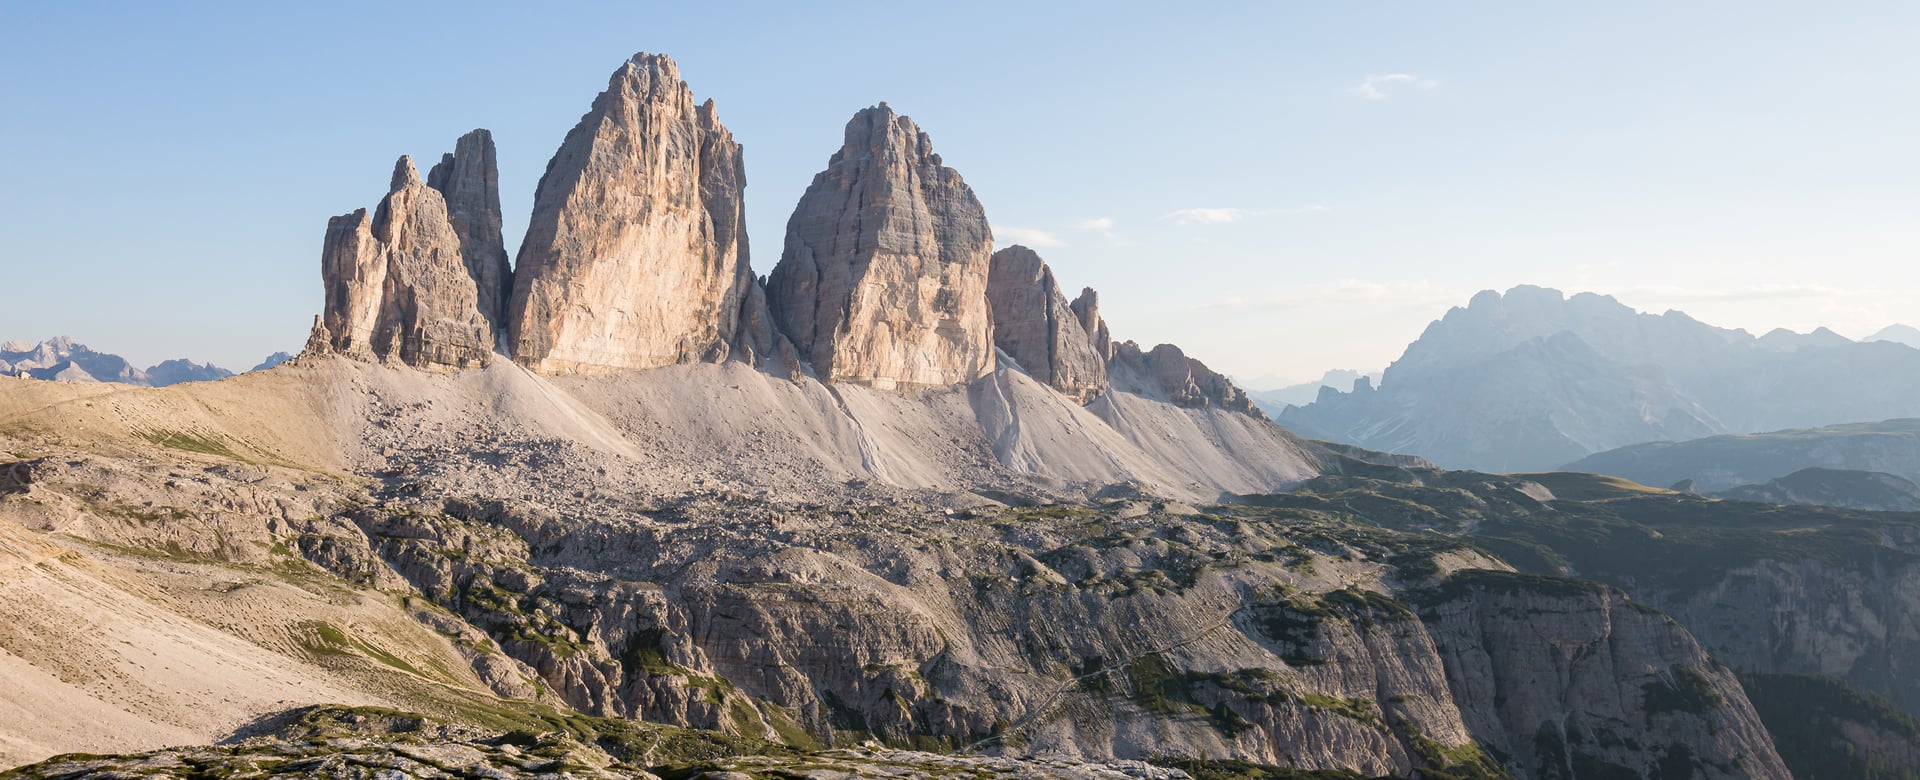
x=1086, y=308
x=884, y=276
x=469, y=179
x=1033, y=324
x=398, y=286
x=636, y=255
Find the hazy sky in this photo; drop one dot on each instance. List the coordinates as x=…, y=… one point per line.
x=1280, y=188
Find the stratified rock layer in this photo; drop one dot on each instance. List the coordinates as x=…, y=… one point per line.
x=469, y=179
x=636, y=255
x=884, y=276
x=1033, y=323
x=398, y=286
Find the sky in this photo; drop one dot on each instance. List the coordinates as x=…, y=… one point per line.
x=1281, y=188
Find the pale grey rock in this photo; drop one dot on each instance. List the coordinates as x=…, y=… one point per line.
x=1087, y=309
x=398, y=286
x=636, y=255
x=1167, y=373
x=883, y=281
x=1033, y=324
x=469, y=179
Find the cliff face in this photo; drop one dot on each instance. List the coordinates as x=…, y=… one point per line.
x=398, y=284
x=1033, y=323
x=1573, y=680
x=636, y=255
x=883, y=281
x=469, y=179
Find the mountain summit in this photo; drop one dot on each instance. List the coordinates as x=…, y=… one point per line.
x=1533, y=379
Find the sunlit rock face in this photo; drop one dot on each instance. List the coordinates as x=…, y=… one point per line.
x=397, y=283
x=883, y=281
x=636, y=255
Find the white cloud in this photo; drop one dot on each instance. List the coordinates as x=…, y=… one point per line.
x=1030, y=237
x=1382, y=87
x=1103, y=226
x=1222, y=216
x=1206, y=216
x=1345, y=294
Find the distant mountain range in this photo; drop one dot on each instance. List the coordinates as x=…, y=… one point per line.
x=1721, y=463
x=1533, y=379
x=1904, y=334
x=1870, y=490
x=1274, y=401
x=60, y=359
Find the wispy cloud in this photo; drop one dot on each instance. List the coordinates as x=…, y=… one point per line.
x=1744, y=293
x=1104, y=227
x=1031, y=237
x=1222, y=216
x=1346, y=293
x=1383, y=87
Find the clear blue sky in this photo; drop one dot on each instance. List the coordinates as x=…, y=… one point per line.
x=1281, y=188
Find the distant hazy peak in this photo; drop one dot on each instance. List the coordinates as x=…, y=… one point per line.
x=1899, y=334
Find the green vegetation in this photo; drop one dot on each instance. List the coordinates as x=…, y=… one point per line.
x=192, y=442
x=1599, y=528
x=324, y=640
x=1466, y=762
x=1810, y=717
x=1218, y=769
x=1684, y=689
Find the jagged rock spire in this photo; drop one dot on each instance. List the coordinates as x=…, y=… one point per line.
x=1034, y=324
x=883, y=278
x=398, y=285
x=469, y=179
x=636, y=255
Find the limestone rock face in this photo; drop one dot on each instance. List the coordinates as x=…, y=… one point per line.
x=398, y=286
x=1033, y=323
x=1167, y=372
x=636, y=255
x=469, y=179
x=1087, y=309
x=883, y=280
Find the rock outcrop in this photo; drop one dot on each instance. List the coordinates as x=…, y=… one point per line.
x=636, y=255
x=1033, y=324
x=1166, y=372
x=398, y=284
x=883, y=281
x=469, y=179
x=1087, y=309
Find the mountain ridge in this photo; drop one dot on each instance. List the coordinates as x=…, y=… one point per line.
x=1532, y=379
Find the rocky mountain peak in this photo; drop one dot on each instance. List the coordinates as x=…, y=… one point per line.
x=1087, y=309
x=398, y=285
x=636, y=254
x=404, y=175
x=883, y=279
x=1034, y=324
x=468, y=178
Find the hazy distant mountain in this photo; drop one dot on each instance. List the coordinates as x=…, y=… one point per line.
x=272, y=360
x=174, y=372
x=1903, y=334
x=1723, y=462
x=1871, y=490
x=59, y=359
x=1275, y=400
x=1532, y=379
